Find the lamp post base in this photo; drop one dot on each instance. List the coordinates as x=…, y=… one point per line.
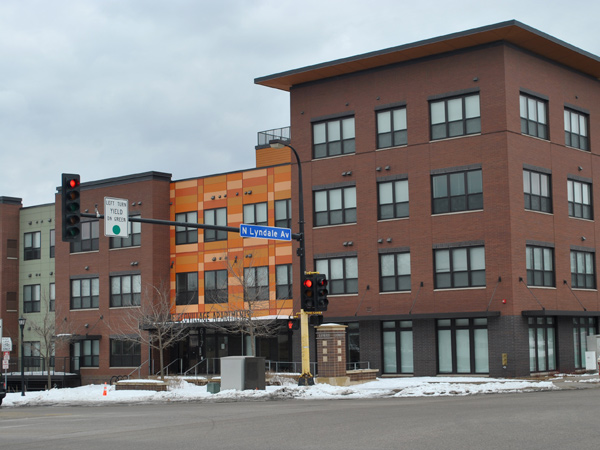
x=306, y=379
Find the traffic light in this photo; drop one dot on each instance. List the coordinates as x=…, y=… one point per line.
x=315, y=320
x=71, y=208
x=308, y=292
x=321, y=292
x=293, y=324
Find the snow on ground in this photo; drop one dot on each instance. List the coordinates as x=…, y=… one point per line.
x=182, y=391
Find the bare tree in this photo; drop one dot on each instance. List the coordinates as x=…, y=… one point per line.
x=152, y=323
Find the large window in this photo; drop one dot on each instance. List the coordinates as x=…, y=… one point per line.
x=125, y=353
x=283, y=213
x=534, y=116
x=256, y=281
x=542, y=344
x=32, y=246
x=582, y=328
x=453, y=117
x=462, y=346
x=90, y=237
x=540, y=266
x=125, y=290
x=579, y=195
x=342, y=274
x=459, y=267
x=394, y=272
x=256, y=214
x=576, y=126
x=398, y=347
x=217, y=217
x=185, y=235
x=134, y=239
x=392, y=199
x=87, y=353
x=457, y=191
x=215, y=286
x=283, y=281
x=333, y=138
x=583, y=273
x=335, y=206
x=85, y=293
x=31, y=298
x=186, y=288
x=538, y=191
x=391, y=128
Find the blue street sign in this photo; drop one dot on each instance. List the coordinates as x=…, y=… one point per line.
x=258, y=231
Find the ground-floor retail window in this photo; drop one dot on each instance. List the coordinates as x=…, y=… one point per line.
x=125, y=353
x=542, y=344
x=397, y=346
x=462, y=346
x=582, y=328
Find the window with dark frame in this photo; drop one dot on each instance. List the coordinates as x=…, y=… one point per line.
x=333, y=137
x=583, y=270
x=32, y=298
x=125, y=353
x=133, y=240
x=283, y=281
x=542, y=344
x=579, y=196
x=457, y=191
x=90, y=237
x=462, y=345
x=32, y=246
x=86, y=353
x=52, y=243
x=85, y=293
x=534, y=116
x=256, y=214
x=398, y=351
x=391, y=128
x=459, y=267
x=125, y=290
x=392, y=199
x=576, y=126
x=186, y=235
x=456, y=116
x=31, y=354
x=342, y=274
x=540, y=266
x=582, y=328
x=283, y=213
x=218, y=217
x=52, y=297
x=256, y=283
x=335, y=206
x=538, y=191
x=394, y=272
x=215, y=286
x=186, y=288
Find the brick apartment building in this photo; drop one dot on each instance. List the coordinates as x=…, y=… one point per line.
x=449, y=188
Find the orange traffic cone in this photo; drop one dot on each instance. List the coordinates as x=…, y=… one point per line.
x=105, y=388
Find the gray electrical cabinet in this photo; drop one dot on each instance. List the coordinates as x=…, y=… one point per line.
x=242, y=372
x=593, y=352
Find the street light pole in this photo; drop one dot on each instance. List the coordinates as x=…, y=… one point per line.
x=22, y=326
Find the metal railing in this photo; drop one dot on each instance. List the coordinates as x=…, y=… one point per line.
x=194, y=368
x=138, y=369
x=288, y=366
x=166, y=368
x=277, y=133
x=358, y=365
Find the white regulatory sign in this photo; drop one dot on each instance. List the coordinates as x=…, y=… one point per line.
x=6, y=344
x=116, y=217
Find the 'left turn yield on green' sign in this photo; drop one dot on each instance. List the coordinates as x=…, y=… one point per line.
x=116, y=217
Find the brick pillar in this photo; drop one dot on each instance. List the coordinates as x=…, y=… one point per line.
x=331, y=350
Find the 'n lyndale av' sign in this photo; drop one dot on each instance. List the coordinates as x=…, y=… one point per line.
x=258, y=231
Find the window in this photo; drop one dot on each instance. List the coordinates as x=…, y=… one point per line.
x=391, y=128
x=215, y=217
x=90, y=234
x=256, y=214
x=283, y=282
x=12, y=248
x=186, y=288
x=215, y=286
x=582, y=328
x=534, y=118
x=353, y=345
x=398, y=347
x=333, y=138
x=538, y=192
x=392, y=199
x=342, y=274
x=86, y=353
x=576, y=126
x=134, y=239
x=283, y=213
x=31, y=298
x=85, y=293
x=453, y=117
x=580, y=199
x=126, y=290
x=52, y=299
x=540, y=266
x=542, y=344
x=335, y=206
x=458, y=191
x=462, y=346
x=256, y=280
x=583, y=274
x=125, y=353
x=459, y=267
x=32, y=246
x=185, y=235
x=31, y=355
x=52, y=243
x=394, y=272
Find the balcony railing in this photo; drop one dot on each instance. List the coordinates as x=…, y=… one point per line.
x=277, y=133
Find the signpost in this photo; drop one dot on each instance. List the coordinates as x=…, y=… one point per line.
x=261, y=232
x=116, y=217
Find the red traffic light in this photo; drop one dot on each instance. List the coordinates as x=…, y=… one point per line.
x=73, y=182
x=308, y=283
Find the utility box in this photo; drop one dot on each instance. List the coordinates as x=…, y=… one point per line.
x=593, y=344
x=242, y=372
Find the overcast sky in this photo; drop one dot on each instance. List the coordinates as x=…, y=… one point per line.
x=107, y=88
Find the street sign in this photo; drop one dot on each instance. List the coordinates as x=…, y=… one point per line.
x=6, y=344
x=116, y=217
x=258, y=231
x=4, y=364
x=6, y=356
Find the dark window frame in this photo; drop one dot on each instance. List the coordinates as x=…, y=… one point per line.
x=470, y=324
x=537, y=201
x=186, y=288
x=220, y=294
x=286, y=220
x=464, y=201
x=539, y=269
x=398, y=328
x=397, y=135
x=331, y=146
x=582, y=327
x=133, y=240
x=283, y=291
x=464, y=126
x=454, y=275
x=401, y=281
x=217, y=217
x=530, y=121
x=125, y=353
x=122, y=299
x=577, y=139
x=91, y=359
x=32, y=298
x=324, y=217
x=582, y=275
x=52, y=297
x=254, y=290
x=580, y=209
x=396, y=209
x=52, y=240
x=185, y=235
x=545, y=324
x=90, y=237
x=251, y=212
x=32, y=250
x=81, y=301
x=339, y=286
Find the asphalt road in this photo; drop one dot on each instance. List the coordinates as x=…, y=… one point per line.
x=538, y=420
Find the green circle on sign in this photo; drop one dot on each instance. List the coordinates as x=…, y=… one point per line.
x=116, y=229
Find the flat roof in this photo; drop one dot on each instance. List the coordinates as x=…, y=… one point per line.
x=511, y=31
